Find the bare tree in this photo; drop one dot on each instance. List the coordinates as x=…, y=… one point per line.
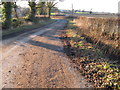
x=32, y=13
x=15, y=9
x=50, y=5
x=41, y=8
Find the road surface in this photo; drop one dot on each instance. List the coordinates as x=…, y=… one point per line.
x=37, y=59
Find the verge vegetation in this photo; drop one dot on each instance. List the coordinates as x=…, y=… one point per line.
x=26, y=25
x=90, y=60
x=104, y=32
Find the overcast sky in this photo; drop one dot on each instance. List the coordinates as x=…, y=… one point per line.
x=95, y=5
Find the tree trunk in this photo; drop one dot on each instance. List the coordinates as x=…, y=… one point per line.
x=31, y=16
x=49, y=12
x=15, y=10
x=7, y=12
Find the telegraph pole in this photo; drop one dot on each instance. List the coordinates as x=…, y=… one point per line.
x=72, y=10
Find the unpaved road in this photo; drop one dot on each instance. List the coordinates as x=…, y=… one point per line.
x=37, y=60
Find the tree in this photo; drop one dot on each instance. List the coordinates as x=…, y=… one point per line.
x=50, y=5
x=91, y=11
x=24, y=11
x=41, y=8
x=6, y=15
x=83, y=10
x=32, y=13
x=15, y=9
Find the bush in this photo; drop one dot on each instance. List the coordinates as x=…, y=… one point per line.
x=35, y=20
x=16, y=22
x=3, y=26
x=103, y=26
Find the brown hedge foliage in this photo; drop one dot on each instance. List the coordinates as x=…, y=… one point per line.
x=105, y=26
x=102, y=30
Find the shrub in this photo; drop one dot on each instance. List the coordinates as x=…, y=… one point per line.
x=104, y=26
x=16, y=22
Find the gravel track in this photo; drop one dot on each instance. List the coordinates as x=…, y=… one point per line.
x=38, y=60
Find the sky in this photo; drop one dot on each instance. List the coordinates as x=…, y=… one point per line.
x=95, y=5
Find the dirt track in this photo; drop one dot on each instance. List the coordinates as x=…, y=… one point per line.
x=38, y=60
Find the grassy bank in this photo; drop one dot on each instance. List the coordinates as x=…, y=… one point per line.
x=89, y=60
x=102, y=31
x=106, y=29
x=28, y=27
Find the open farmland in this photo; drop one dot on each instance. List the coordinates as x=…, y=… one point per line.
x=98, y=15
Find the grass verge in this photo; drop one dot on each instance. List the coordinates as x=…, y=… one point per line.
x=90, y=61
x=27, y=27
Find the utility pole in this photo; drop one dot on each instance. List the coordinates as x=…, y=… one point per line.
x=72, y=10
